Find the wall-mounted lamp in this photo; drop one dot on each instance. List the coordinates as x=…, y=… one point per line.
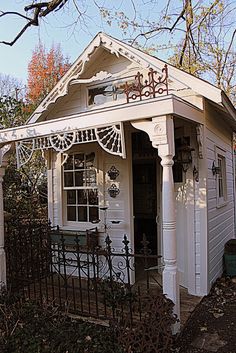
x=113, y=173
x=215, y=169
x=113, y=190
x=184, y=155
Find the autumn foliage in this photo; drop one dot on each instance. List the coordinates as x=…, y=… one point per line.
x=44, y=70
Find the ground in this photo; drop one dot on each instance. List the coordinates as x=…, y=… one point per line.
x=212, y=325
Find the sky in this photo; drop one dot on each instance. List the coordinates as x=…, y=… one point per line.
x=61, y=28
x=14, y=60
x=56, y=28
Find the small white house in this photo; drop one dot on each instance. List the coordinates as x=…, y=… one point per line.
x=124, y=130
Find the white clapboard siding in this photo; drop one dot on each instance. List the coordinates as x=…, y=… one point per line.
x=69, y=104
x=220, y=219
x=52, y=190
x=119, y=208
x=105, y=61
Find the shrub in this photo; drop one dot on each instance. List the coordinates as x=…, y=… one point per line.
x=29, y=327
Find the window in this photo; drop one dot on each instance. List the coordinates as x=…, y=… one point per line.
x=107, y=93
x=221, y=178
x=80, y=185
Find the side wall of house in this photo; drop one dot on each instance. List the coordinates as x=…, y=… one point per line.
x=220, y=216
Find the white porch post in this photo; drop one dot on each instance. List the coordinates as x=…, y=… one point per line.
x=161, y=133
x=163, y=139
x=2, y=251
x=170, y=274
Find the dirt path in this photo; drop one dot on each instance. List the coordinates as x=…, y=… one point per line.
x=212, y=326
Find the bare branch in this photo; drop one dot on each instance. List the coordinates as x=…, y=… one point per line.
x=164, y=28
x=14, y=13
x=40, y=9
x=228, y=51
x=22, y=31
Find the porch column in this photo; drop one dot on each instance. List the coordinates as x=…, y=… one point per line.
x=161, y=132
x=170, y=273
x=163, y=139
x=2, y=251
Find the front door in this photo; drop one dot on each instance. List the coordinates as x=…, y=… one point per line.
x=144, y=191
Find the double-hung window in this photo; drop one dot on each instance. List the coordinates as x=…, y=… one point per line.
x=221, y=177
x=80, y=187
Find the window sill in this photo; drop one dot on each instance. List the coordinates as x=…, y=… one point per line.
x=221, y=204
x=76, y=226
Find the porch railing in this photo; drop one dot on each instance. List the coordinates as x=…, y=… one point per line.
x=82, y=278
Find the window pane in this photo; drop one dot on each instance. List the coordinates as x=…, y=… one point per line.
x=82, y=197
x=71, y=197
x=90, y=160
x=100, y=95
x=79, y=161
x=68, y=179
x=69, y=163
x=92, y=197
x=80, y=178
x=71, y=213
x=93, y=214
x=82, y=214
x=220, y=166
x=91, y=178
x=221, y=190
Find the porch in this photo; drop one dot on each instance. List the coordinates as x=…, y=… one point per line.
x=82, y=278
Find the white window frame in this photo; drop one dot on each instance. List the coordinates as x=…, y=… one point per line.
x=81, y=225
x=115, y=81
x=221, y=177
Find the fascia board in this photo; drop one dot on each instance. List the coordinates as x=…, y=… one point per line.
x=230, y=109
x=104, y=117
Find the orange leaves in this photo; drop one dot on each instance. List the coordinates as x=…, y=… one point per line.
x=44, y=70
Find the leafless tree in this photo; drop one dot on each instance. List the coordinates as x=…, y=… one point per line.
x=199, y=35
x=12, y=87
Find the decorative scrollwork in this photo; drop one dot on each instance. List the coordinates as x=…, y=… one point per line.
x=111, y=139
x=154, y=85
x=24, y=151
x=113, y=190
x=113, y=173
x=62, y=141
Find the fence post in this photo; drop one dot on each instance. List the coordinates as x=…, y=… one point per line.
x=127, y=264
x=110, y=270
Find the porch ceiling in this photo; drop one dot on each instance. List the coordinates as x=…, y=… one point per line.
x=165, y=105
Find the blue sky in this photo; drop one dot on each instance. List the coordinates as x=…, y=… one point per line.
x=14, y=60
x=57, y=28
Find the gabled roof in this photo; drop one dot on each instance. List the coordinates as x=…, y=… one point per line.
x=144, y=60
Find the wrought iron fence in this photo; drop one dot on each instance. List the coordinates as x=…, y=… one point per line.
x=81, y=277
